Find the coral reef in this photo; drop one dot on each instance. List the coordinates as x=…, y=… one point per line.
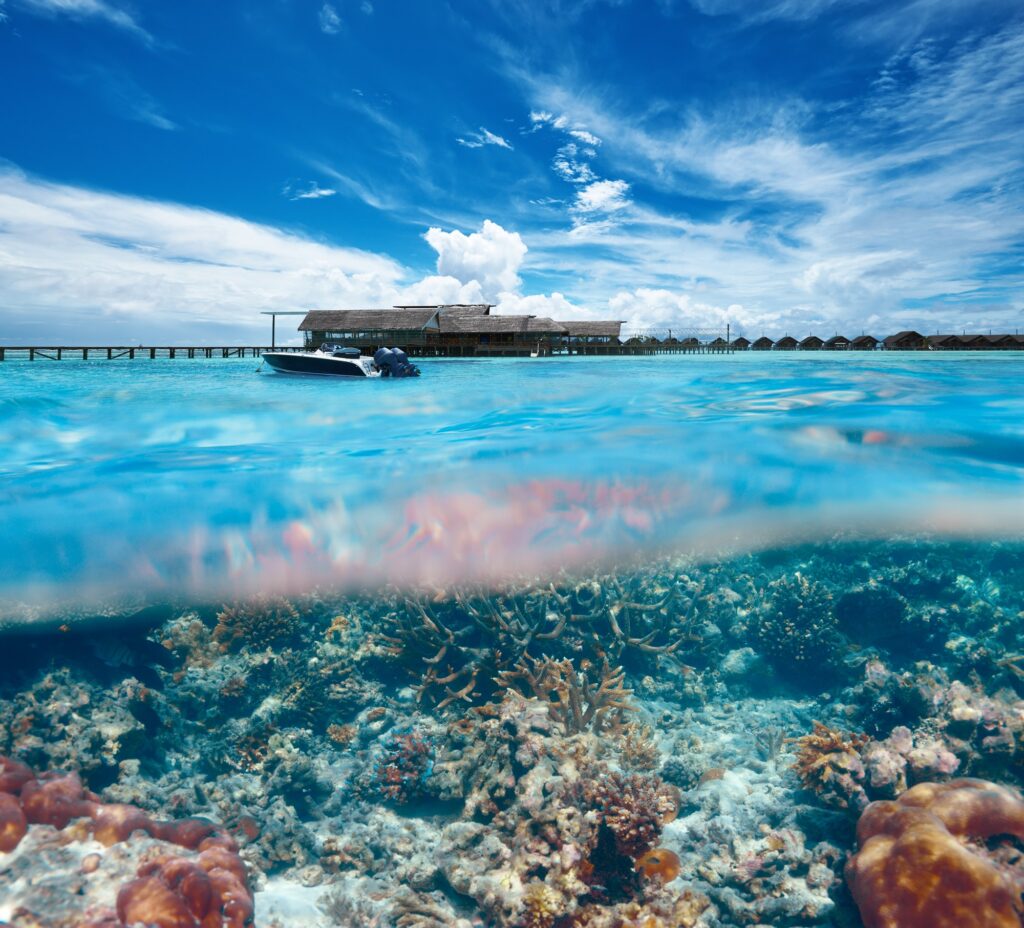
x=918, y=868
x=676, y=744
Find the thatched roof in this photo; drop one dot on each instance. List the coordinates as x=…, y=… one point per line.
x=580, y=328
x=367, y=320
x=465, y=309
x=906, y=337
x=476, y=324
x=763, y=342
x=864, y=340
x=836, y=340
x=812, y=341
x=740, y=342
x=787, y=341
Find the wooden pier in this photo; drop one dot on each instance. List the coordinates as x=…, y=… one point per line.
x=131, y=352
x=154, y=352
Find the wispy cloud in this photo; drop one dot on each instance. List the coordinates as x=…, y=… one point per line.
x=126, y=98
x=88, y=9
x=481, y=138
x=366, y=8
x=330, y=21
x=313, y=191
x=901, y=206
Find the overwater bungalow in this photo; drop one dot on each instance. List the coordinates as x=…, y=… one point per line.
x=478, y=333
x=907, y=340
x=740, y=343
x=764, y=343
x=863, y=343
x=591, y=337
x=786, y=343
x=837, y=343
x=811, y=343
x=718, y=343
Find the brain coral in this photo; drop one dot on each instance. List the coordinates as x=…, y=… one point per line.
x=914, y=870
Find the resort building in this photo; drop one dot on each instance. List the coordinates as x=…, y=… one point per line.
x=864, y=343
x=457, y=330
x=837, y=343
x=905, y=341
x=786, y=343
x=764, y=343
x=811, y=343
x=741, y=343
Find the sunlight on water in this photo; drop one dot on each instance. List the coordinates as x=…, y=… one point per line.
x=206, y=478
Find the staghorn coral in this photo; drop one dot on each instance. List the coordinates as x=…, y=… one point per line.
x=918, y=868
x=592, y=698
x=829, y=763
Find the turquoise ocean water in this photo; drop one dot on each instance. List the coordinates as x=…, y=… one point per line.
x=209, y=478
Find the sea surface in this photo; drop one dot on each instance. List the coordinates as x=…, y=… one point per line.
x=211, y=478
x=552, y=643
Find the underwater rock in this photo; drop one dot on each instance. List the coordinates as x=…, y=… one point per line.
x=918, y=868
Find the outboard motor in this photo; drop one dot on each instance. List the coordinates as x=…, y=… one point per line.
x=393, y=362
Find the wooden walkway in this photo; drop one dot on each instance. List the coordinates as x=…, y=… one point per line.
x=153, y=352
x=114, y=352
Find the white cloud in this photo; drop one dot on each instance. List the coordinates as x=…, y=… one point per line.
x=553, y=306
x=330, y=21
x=313, y=192
x=492, y=257
x=602, y=196
x=366, y=8
x=438, y=290
x=482, y=138
x=90, y=266
x=88, y=9
x=909, y=219
x=80, y=265
x=570, y=167
x=587, y=138
x=647, y=309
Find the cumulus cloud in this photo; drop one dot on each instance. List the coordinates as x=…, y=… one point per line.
x=657, y=311
x=330, y=21
x=482, y=138
x=88, y=265
x=553, y=306
x=602, y=196
x=492, y=257
x=87, y=9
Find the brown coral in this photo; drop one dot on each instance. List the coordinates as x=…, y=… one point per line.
x=591, y=699
x=256, y=624
x=914, y=869
x=829, y=763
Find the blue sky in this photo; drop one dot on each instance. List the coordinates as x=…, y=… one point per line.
x=169, y=170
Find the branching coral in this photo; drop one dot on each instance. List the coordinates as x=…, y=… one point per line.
x=592, y=699
x=256, y=624
x=829, y=763
x=916, y=868
x=634, y=808
x=458, y=643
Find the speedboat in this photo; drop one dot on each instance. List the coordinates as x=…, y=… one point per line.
x=337, y=361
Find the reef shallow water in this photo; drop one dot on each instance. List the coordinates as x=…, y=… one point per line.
x=676, y=716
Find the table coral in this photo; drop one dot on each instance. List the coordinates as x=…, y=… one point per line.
x=916, y=869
